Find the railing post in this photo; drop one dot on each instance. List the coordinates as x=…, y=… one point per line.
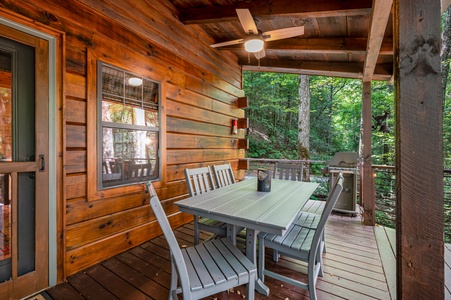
x=367, y=187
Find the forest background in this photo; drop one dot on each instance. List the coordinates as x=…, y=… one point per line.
x=335, y=120
x=335, y=113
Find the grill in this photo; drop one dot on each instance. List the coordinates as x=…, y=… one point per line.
x=345, y=162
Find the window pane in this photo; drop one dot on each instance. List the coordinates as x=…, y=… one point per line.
x=150, y=94
x=6, y=86
x=112, y=112
x=5, y=228
x=133, y=88
x=112, y=157
x=152, y=118
x=133, y=151
x=139, y=104
x=133, y=116
x=129, y=150
x=112, y=84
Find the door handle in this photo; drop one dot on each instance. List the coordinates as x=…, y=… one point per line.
x=42, y=159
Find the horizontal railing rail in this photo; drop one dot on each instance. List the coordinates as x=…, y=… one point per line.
x=314, y=168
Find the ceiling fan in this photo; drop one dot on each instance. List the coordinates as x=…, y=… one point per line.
x=255, y=39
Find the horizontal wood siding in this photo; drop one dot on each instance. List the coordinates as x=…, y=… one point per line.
x=200, y=89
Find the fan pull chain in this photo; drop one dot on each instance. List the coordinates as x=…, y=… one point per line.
x=248, y=58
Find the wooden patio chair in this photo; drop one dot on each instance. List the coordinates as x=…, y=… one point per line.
x=302, y=241
x=288, y=171
x=206, y=269
x=223, y=175
x=200, y=181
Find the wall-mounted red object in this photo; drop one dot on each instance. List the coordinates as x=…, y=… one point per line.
x=234, y=126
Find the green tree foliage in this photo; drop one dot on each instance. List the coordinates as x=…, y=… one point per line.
x=336, y=105
x=272, y=114
x=335, y=115
x=383, y=143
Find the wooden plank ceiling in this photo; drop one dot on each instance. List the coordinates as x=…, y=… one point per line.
x=349, y=39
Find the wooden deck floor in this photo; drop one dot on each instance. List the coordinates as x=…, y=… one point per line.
x=353, y=270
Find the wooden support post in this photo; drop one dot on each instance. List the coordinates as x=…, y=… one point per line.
x=419, y=153
x=367, y=170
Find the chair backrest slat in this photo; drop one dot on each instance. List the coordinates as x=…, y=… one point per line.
x=288, y=171
x=330, y=203
x=223, y=175
x=169, y=235
x=199, y=181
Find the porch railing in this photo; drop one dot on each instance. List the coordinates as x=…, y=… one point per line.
x=385, y=192
x=314, y=168
x=447, y=202
x=385, y=188
x=384, y=184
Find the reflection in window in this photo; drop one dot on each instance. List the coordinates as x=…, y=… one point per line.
x=129, y=114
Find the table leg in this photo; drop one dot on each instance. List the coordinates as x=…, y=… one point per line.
x=231, y=233
x=251, y=253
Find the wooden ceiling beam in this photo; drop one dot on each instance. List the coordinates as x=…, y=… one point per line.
x=317, y=68
x=267, y=8
x=379, y=19
x=322, y=45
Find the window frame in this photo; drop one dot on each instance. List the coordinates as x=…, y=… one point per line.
x=100, y=124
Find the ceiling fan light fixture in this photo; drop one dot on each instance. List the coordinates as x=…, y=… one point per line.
x=254, y=45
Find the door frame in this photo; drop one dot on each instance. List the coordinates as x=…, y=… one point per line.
x=55, y=67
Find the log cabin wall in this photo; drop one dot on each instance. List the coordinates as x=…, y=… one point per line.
x=199, y=93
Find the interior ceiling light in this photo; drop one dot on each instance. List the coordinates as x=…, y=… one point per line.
x=135, y=81
x=254, y=44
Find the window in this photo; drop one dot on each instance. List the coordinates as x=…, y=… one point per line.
x=128, y=114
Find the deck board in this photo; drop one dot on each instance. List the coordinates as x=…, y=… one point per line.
x=90, y=288
x=136, y=279
x=64, y=291
x=448, y=271
x=388, y=257
x=115, y=284
x=353, y=269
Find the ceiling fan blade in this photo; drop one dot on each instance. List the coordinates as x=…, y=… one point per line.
x=247, y=21
x=228, y=43
x=260, y=54
x=284, y=33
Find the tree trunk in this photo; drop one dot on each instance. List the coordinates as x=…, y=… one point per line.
x=361, y=138
x=304, y=121
x=329, y=125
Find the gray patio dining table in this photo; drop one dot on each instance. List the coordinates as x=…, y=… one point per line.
x=240, y=205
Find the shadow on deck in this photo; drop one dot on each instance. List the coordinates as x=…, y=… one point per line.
x=353, y=269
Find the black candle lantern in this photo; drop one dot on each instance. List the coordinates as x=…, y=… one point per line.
x=264, y=180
